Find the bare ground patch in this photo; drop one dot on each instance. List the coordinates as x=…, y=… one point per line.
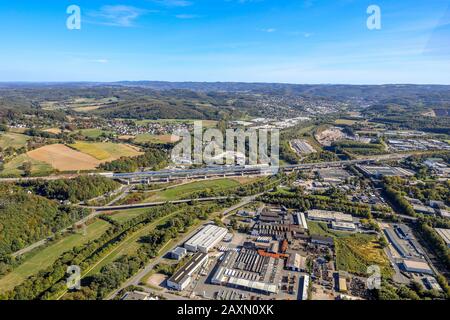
x=64, y=158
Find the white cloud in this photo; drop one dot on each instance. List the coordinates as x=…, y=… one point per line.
x=117, y=15
x=187, y=16
x=269, y=30
x=101, y=60
x=173, y=3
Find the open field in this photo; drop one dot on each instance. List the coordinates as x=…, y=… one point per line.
x=87, y=108
x=63, y=158
x=47, y=256
x=126, y=215
x=53, y=130
x=205, y=123
x=129, y=245
x=357, y=252
x=189, y=188
x=14, y=140
x=89, y=104
x=345, y=122
x=93, y=133
x=354, y=252
x=143, y=138
x=106, y=151
x=14, y=166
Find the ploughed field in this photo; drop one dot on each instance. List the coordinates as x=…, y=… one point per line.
x=81, y=156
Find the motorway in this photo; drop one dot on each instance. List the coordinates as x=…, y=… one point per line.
x=224, y=171
x=218, y=171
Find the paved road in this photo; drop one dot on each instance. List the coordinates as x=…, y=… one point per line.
x=213, y=170
x=135, y=280
x=100, y=210
x=44, y=241
x=153, y=204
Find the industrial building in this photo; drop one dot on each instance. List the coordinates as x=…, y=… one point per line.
x=320, y=240
x=247, y=270
x=333, y=175
x=343, y=226
x=423, y=209
x=414, y=266
x=304, y=287
x=342, y=284
x=431, y=283
x=178, y=253
x=445, y=235
x=206, y=239
x=137, y=296
x=182, y=278
x=301, y=220
x=296, y=262
x=329, y=216
x=379, y=171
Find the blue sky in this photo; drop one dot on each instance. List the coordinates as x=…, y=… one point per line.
x=291, y=41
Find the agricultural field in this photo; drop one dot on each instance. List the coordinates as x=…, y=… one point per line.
x=45, y=257
x=150, y=138
x=53, y=130
x=184, y=190
x=106, y=151
x=93, y=133
x=14, y=140
x=13, y=167
x=89, y=104
x=205, y=123
x=345, y=122
x=63, y=158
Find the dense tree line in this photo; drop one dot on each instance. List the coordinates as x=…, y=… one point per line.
x=112, y=275
x=358, y=148
x=153, y=158
x=49, y=282
x=423, y=190
x=414, y=291
x=248, y=189
x=26, y=218
x=398, y=201
x=78, y=189
x=435, y=241
x=307, y=202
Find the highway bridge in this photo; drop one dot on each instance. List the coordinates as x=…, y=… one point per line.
x=233, y=171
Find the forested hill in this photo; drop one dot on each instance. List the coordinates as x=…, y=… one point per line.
x=215, y=100
x=75, y=190
x=26, y=218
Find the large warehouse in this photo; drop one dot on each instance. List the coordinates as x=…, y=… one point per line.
x=416, y=266
x=182, y=278
x=329, y=216
x=206, y=239
x=445, y=235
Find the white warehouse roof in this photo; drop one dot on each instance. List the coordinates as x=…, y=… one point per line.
x=206, y=239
